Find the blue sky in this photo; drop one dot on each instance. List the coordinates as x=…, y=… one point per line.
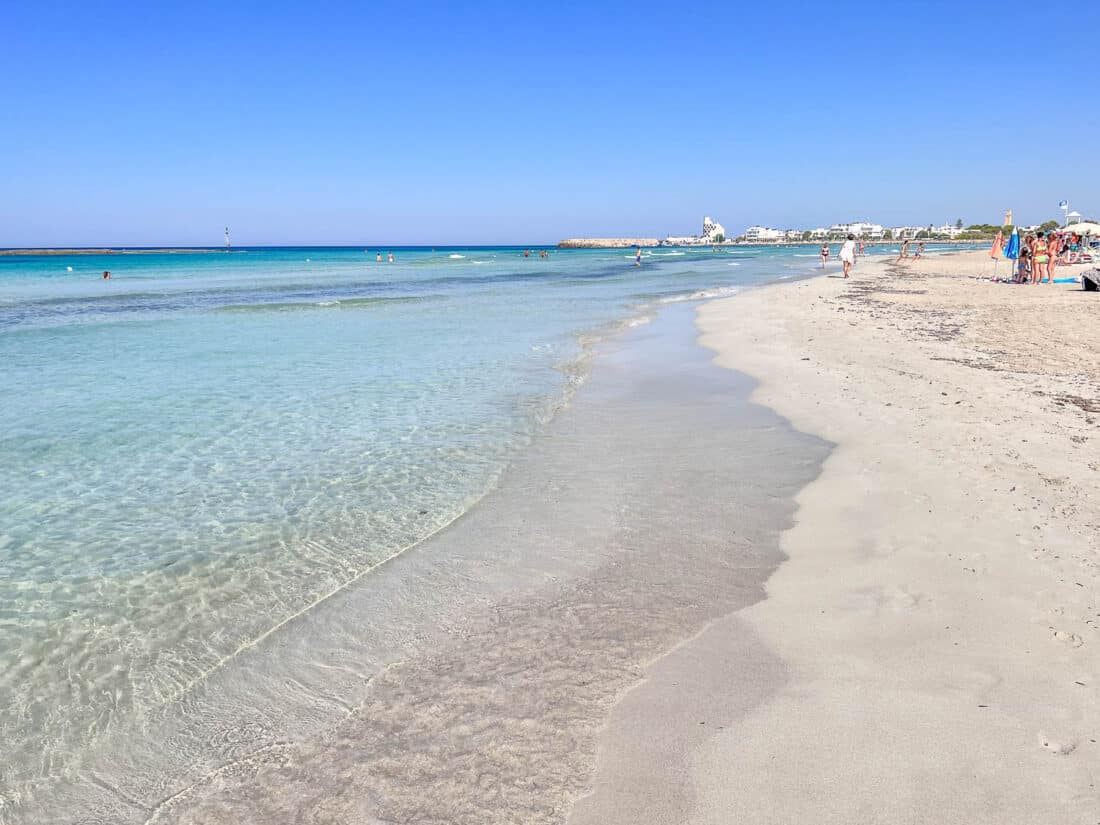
x=513, y=122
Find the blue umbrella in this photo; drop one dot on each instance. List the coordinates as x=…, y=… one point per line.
x=1012, y=248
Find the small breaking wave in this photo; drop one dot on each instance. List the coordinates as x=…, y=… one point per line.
x=700, y=295
x=346, y=303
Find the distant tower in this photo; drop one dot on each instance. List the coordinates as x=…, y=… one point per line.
x=1008, y=217
x=227, y=239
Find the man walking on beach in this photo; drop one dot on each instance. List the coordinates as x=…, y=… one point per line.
x=848, y=254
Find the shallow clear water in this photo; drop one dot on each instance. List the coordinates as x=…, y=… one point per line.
x=205, y=445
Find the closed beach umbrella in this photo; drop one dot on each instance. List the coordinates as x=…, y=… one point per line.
x=998, y=244
x=1012, y=251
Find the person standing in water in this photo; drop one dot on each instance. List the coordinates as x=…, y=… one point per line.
x=824, y=254
x=391, y=257
x=848, y=254
x=638, y=256
x=379, y=257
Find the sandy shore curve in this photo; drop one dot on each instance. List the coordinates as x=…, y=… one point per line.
x=938, y=615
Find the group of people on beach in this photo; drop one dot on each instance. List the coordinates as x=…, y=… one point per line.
x=848, y=253
x=1042, y=252
x=904, y=252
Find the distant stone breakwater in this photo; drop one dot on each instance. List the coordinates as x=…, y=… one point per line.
x=606, y=243
x=108, y=251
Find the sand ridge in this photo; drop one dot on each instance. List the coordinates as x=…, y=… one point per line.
x=940, y=609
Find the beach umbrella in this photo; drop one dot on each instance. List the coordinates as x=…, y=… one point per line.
x=995, y=251
x=998, y=245
x=1083, y=228
x=1012, y=249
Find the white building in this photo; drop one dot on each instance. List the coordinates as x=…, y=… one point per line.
x=713, y=232
x=860, y=229
x=762, y=234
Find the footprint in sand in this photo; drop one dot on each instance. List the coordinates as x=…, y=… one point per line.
x=1059, y=747
x=1067, y=638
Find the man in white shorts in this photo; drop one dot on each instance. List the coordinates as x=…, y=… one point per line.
x=848, y=254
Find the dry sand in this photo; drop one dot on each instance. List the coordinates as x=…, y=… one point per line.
x=938, y=616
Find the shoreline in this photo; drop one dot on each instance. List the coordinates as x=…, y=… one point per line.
x=498, y=647
x=937, y=615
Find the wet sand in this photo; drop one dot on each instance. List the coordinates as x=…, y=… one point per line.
x=938, y=617
x=471, y=679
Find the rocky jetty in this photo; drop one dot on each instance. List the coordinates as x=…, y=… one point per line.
x=606, y=243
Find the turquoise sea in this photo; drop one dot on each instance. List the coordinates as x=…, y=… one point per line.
x=202, y=447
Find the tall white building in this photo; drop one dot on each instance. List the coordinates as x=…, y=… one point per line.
x=713, y=232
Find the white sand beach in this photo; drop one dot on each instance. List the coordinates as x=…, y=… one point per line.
x=937, y=620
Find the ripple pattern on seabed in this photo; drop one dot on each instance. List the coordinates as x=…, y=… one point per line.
x=180, y=479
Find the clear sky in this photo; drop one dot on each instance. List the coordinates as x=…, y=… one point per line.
x=483, y=122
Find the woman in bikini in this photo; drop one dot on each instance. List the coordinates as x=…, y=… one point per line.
x=1055, y=253
x=1040, y=257
x=824, y=255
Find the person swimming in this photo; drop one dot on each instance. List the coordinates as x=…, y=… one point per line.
x=106, y=275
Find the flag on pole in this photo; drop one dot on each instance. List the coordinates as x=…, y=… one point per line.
x=1063, y=204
